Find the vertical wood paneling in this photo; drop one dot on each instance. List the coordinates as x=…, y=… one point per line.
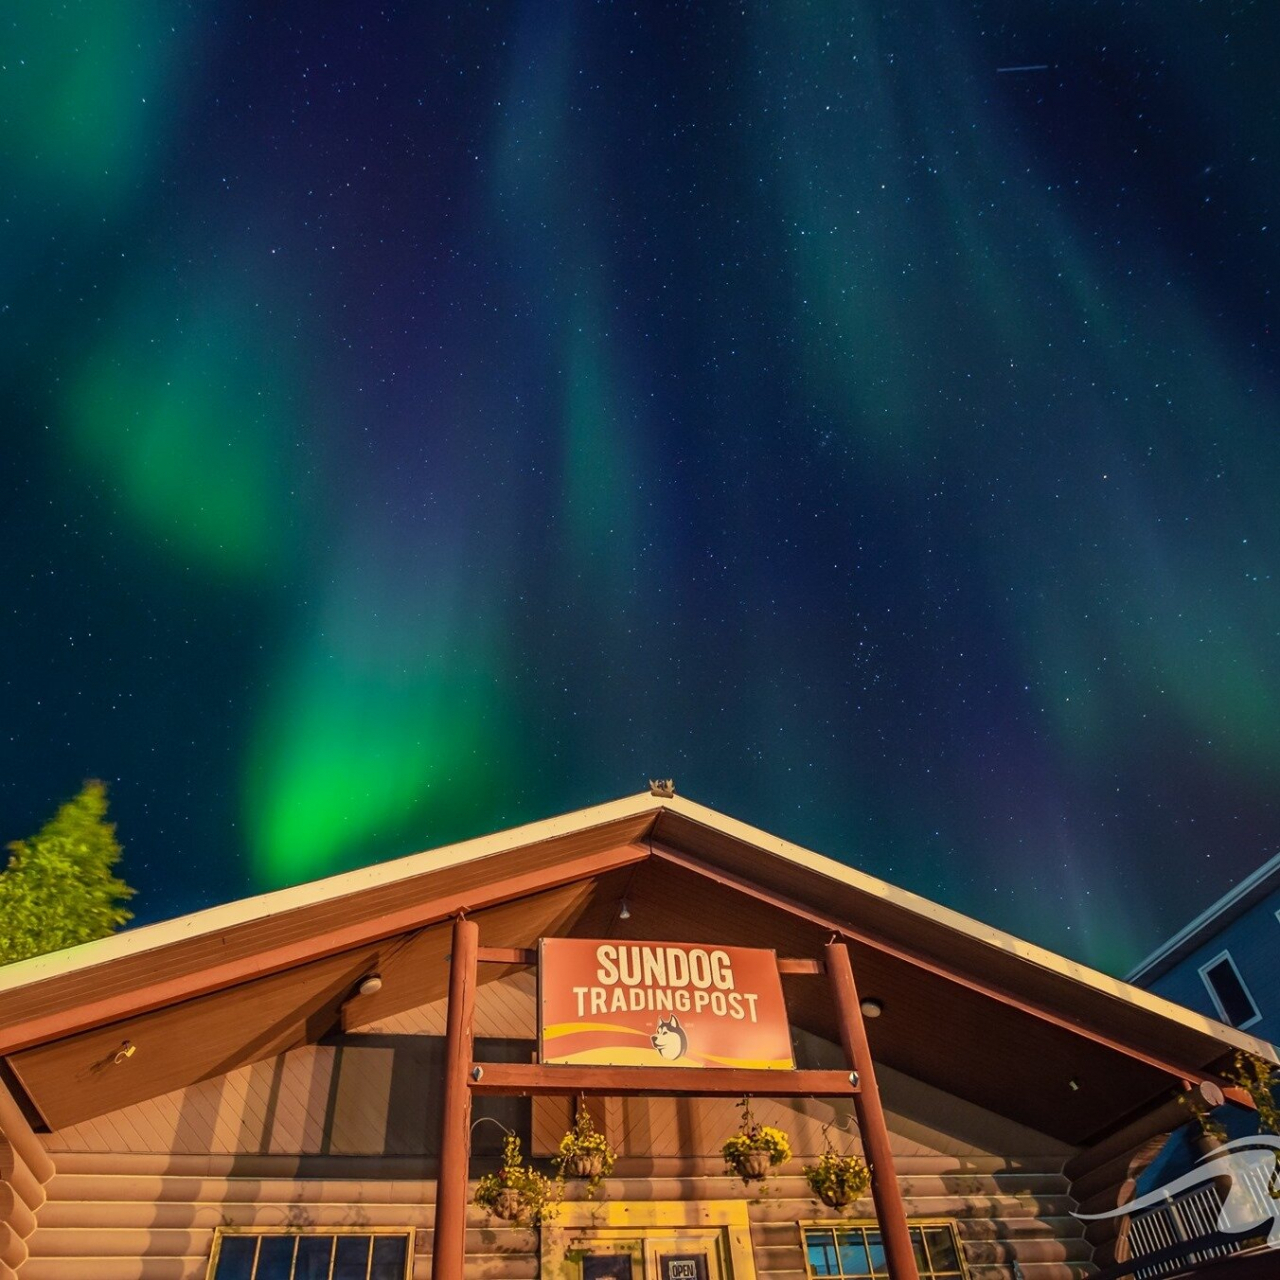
x=551, y=1118
x=505, y=1010
x=360, y=1111
x=369, y=1093
x=312, y=1084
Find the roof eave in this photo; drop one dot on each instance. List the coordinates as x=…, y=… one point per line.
x=997, y=939
x=213, y=920
x=1233, y=904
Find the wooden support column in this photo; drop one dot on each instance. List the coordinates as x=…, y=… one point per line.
x=448, y=1254
x=891, y=1213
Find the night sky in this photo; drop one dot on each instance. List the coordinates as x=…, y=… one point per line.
x=421, y=419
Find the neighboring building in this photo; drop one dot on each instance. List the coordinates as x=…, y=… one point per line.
x=284, y=1088
x=1226, y=962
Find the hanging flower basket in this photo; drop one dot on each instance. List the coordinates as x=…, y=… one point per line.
x=837, y=1180
x=755, y=1148
x=517, y=1192
x=585, y=1152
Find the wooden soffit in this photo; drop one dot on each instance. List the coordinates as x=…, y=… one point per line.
x=86, y=1074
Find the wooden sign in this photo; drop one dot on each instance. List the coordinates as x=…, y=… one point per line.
x=660, y=1004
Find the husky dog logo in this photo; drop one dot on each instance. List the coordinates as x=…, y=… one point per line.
x=670, y=1039
x=1250, y=1163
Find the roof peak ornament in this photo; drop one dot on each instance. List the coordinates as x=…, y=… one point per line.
x=665, y=787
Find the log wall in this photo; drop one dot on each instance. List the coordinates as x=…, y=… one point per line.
x=154, y=1218
x=25, y=1171
x=1105, y=1176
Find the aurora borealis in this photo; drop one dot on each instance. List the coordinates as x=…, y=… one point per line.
x=423, y=419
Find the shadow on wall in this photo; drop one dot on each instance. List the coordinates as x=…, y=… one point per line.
x=384, y=1097
x=377, y=1095
x=350, y=1095
x=923, y=1119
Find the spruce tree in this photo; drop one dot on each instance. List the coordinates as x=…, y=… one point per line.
x=59, y=888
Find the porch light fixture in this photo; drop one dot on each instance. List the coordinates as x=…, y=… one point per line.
x=371, y=985
x=872, y=1008
x=624, y=912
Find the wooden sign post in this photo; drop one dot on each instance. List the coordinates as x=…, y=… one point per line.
x=464, y=1077
x=448, y=1252
x=891, y=1213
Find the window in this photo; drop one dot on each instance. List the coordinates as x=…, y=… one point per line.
x=310, y=1255
x=1226, y=986
x=857, y=1252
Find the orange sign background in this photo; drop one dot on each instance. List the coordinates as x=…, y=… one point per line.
x=660, y=1004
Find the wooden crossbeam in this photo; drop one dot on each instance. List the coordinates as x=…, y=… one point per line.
x=531, y=1079
x=507, y=955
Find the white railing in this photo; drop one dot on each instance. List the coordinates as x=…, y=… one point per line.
x=1189, y=1217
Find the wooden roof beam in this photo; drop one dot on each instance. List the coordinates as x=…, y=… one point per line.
x=167, y=991
x=507, y=955
x=920, y=961
x=531, y=1079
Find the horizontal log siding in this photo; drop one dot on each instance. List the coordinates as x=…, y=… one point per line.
x=118, y=1218
x=1106, y=1176
x=25, y=1171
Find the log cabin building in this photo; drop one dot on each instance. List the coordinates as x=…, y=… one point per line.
x=305, y=1085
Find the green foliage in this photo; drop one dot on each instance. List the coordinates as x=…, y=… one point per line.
x=1259, y=1079
x=760, y=1137
x=837, y=1180
x=59, y=888
x=518, y=1192
x=585, y=1152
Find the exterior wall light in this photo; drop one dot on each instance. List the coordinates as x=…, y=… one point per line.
x=872, y=1008
x=371, y=985
x=624, y=912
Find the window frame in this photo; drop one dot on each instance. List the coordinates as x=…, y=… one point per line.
x=1213, y=991
x=407, y=1233
x=845, y=1224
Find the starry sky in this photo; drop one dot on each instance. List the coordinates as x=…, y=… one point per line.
x=423, y=418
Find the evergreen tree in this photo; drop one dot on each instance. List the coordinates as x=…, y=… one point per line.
x=59, y=888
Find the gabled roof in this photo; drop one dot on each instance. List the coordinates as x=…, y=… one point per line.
x=1007, y=1017
x=1210, y=922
